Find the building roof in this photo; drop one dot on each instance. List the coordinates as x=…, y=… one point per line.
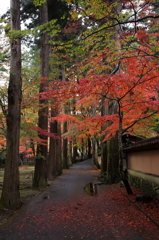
x=147, y=144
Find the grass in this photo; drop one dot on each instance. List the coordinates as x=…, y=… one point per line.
x=25, y=175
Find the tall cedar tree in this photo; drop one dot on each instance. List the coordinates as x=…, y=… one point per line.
x=40, y=173
x=58, y=10
x=10, y=192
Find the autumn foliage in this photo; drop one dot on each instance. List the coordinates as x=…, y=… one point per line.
x=134, y=89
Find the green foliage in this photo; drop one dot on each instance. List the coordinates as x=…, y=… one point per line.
x=4, y=56
x=57, y=9
x=30, y=88
x=3, y=114
x=39, y=2
x=156, y=124
x=51, y=27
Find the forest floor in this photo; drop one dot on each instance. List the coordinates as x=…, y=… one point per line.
x=26, y=191
x=149, y=208
x=117, y=194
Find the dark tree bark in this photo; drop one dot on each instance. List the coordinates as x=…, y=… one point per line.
x=40, y=173
x=82, y=150
x=10, y=192
x=104, y=112
x=65, y=148
x=113, y=174
x=52, y=158
x=65, y=140
x=58, y=152
x=75, y=154
x=70, y=152
x=89, y=148
x=95, y=152
x=122, y=171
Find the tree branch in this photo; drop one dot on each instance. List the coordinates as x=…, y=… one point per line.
x=138, y=120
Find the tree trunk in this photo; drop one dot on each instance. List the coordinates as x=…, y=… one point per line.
x=65, y=141
x=65, y=148
x=52, y=158
x=10, y=192
x=75, y=154
x=82, y=150
x=70, y=152
x=122, y=171
x=89, y=152
x=113, y=174
x=95, y=153
x=58, y=152
x=104, y=112
x=40, y=173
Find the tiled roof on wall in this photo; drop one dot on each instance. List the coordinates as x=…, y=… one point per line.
x=148, y=144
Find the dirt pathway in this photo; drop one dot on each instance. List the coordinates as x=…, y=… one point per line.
x=66, y=211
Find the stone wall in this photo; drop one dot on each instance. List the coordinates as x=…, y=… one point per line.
x=147, y=183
